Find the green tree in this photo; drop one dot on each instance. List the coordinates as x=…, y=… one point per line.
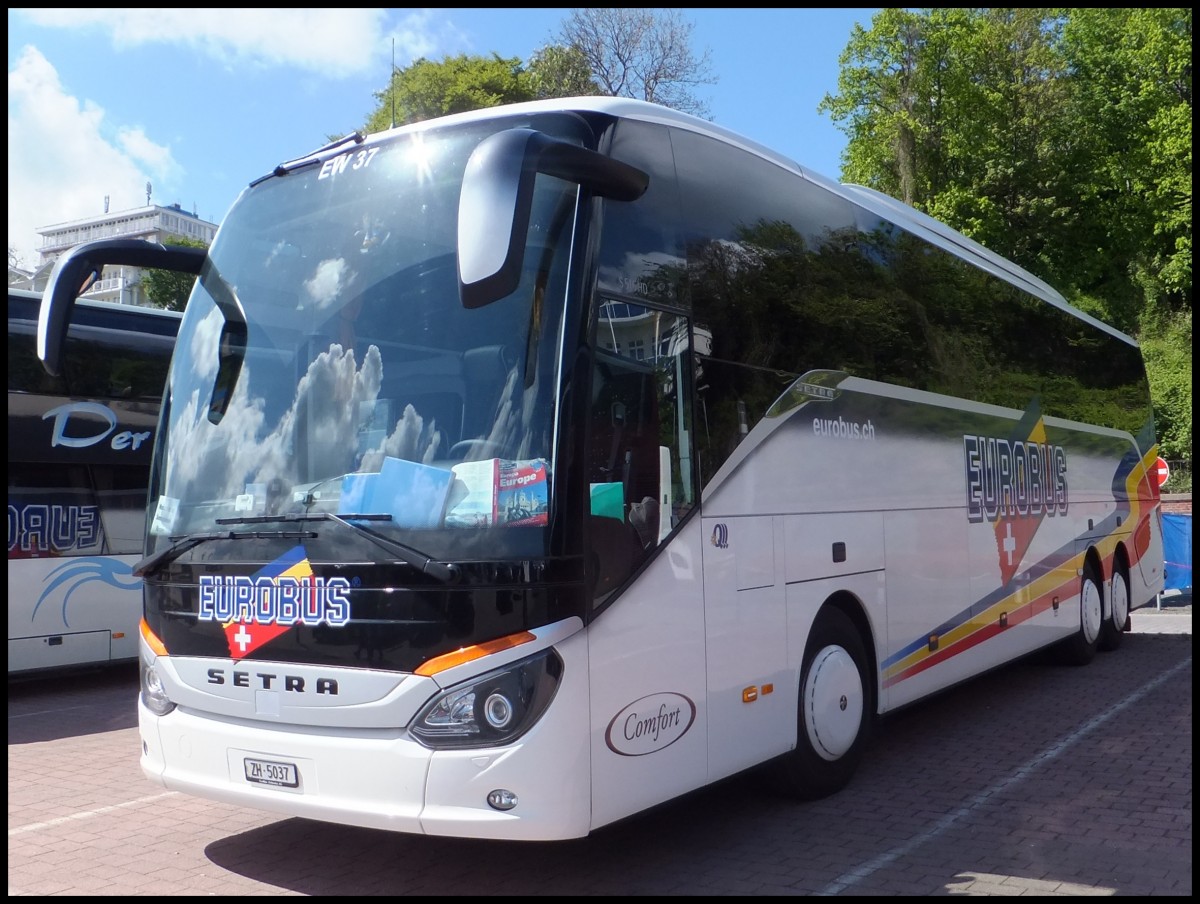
x=167, y=288
x=1168, y=352
x=877, y=104
x=1060, y=138
x=1132, y=96
x=639, y=53
x=428, y=89
x=1132, y=91
x=958, y=113
x=561, y=71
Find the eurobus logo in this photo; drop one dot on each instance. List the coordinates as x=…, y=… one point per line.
x=1014, y=483
x=255, y=609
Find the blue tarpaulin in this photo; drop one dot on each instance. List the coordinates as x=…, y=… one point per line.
x=1177, y=550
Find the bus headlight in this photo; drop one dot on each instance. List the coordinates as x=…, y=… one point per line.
x=154, y=695
x=495, y=708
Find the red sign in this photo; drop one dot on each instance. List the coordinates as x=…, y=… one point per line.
x=1161, y=472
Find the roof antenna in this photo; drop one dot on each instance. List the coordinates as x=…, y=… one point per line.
x=392, y=83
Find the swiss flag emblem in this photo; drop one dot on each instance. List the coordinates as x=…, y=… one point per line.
x=1014, y=534
x=245, y=637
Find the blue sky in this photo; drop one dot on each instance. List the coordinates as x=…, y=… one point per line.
x=200, y=102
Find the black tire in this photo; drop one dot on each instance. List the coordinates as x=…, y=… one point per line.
x=1080, y=648
x=835, y=711
x=1116, y=615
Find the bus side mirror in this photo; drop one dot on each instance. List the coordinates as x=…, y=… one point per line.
x=79, y=267
x=497, y=199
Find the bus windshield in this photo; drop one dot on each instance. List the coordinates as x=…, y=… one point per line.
x=364, y=385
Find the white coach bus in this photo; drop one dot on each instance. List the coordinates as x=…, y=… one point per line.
x=524, y=469
x=79, y=448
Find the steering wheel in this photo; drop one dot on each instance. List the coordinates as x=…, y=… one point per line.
x=479, y=448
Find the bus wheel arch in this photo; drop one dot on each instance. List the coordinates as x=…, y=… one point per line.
x=1116, y=603
x=836, y=705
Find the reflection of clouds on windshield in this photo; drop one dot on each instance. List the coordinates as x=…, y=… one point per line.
x=200, y=459
x=512, y=430
x=410, y=440
x=331, y=278
x=203, y=352
x=326, y=412
x=207, y=462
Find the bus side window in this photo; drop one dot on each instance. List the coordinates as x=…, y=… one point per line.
x=642, y=472
x=614, y=540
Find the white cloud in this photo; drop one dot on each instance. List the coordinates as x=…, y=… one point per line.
x=333, y=42
x=138, y=145
x=61, y=165
x=66, y=155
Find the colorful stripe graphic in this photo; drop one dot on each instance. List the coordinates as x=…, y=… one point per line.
x=1055, y=578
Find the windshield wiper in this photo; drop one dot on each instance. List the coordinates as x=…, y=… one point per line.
x=446, y=572
x=153, y=562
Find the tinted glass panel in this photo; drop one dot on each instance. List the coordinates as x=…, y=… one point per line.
x=75, y=510
x=790, y=282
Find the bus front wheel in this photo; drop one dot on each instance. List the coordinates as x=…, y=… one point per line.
x=834, y=711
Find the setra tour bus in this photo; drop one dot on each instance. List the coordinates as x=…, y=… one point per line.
x=526, y=468
x=79, y=448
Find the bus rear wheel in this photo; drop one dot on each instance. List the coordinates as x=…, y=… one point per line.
x=1113, y=627
x=1080, y=648
x=834, y=711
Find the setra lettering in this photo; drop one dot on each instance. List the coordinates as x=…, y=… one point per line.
x=294, y=684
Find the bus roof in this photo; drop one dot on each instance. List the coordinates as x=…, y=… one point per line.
x=24, y=304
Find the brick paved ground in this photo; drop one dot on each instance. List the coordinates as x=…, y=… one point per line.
x=1033, y=780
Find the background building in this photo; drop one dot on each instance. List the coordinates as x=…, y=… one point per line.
x=120, y=284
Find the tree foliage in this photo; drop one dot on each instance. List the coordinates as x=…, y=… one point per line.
x=429, y=89
x=1133, y=93
x=1058, y=137
x=640, y=53
x=1168, y=354
x=168, y=288
x=561, y=71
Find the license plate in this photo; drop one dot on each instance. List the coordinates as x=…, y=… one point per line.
x=268, y=772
